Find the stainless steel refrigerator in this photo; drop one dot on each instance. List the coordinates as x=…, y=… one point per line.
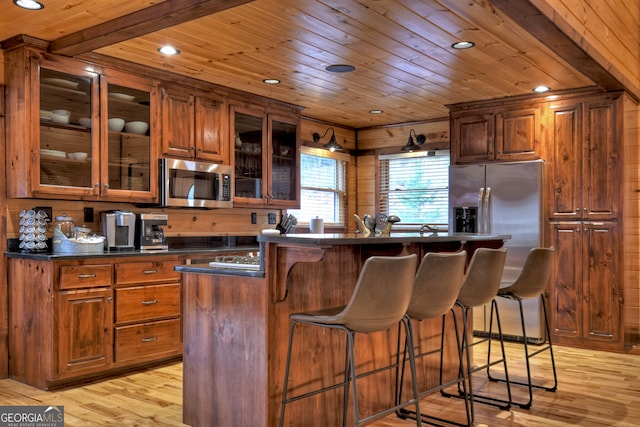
x=503, y=198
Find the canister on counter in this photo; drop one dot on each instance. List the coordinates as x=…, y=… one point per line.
x=316, y=225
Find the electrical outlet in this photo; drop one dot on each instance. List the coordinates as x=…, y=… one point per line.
x=272, y=218
x=88, y=215
x=254, y=218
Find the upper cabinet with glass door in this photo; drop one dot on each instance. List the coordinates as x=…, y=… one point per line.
x=284, y=180
x=66, y=128
x=58, y=138
x=265, y=157
x=128, y=161
x=250, y=164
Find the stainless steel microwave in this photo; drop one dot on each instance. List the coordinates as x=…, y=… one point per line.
x=195, y=184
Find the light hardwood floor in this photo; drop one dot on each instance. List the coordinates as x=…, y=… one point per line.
x=595, y=389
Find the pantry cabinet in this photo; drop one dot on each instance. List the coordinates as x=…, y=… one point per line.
x=266, y=157
x=194, y=125
x=586, y=295
x=585, y=211
x=76, y=319
x=495, y=134
x=71, y=130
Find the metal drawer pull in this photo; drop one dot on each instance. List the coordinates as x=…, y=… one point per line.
x=149, y=339
x=149, y=271
x=150, y=302
x=86, y=276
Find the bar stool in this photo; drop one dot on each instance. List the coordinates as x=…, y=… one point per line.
x=436, y=289
x=480, y=287
x=531, y=283
x=380, y=300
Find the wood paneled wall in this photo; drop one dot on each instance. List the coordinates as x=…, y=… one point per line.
x=347, y=139
x=631, y=219
x=4, y=295
x=182, y=222
x=390, y=139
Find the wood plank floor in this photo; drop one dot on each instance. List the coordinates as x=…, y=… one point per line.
x=596, y=389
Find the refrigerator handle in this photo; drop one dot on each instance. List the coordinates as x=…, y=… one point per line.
x=480, y=218
x=486, y=216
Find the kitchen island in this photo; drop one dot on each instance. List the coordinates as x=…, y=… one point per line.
x=236, y=329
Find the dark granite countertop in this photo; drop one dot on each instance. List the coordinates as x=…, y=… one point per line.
x=359, y=239
x=44, y=256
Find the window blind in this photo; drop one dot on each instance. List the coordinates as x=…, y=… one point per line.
x=322, y=188
x=415, y=186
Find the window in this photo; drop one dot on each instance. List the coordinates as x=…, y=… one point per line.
x=323, y=188
x=415, y=187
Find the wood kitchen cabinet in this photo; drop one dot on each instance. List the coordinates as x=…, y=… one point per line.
x=72, y=320
x=266, y=157
x=60, y=106
x=495, y=134
x=586, y=219
x=148, y=310
x=584, y=159
x=194, y=125
x=85, y=330
x=586, y=295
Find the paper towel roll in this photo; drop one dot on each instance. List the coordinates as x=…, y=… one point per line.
x=316, y=225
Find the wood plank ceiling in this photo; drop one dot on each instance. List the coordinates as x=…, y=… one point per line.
x=401, y=50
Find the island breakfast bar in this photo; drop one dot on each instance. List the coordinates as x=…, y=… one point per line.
x=236, y=328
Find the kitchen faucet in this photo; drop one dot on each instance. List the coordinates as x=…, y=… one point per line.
x=427, y=227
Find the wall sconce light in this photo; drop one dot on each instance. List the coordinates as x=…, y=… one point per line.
x=411, y=145
x=332, y=145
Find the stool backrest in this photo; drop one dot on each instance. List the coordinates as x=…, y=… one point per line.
x=483, y=277
x=381, y=295
x=535, y=274
x=437, y=284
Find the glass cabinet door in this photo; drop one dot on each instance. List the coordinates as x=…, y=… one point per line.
x=248, y=148
x=128, y=154
x=66, y=129
x=284, y=155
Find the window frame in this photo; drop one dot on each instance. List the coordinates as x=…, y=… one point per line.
x=338, y=156
x=380, y=185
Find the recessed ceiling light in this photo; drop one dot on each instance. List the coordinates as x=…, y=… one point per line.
x=340, y=68
x=271, y=81
x=463, y=45
x=28, y=4
x=541, y=89
x=375, y=111
x=168, y=50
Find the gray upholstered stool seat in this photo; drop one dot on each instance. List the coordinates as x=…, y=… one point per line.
x=437, y=285
x=531, y=283
x=480, y=287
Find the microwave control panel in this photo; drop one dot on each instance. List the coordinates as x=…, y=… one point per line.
x=226, y=187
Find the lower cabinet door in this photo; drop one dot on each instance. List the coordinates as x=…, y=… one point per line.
x=85, y=331
x=145, y=341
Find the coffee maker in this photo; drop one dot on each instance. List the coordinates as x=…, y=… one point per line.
x=118, y=228
x=150, y=232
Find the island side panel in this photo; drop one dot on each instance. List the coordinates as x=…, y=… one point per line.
x=225, y=351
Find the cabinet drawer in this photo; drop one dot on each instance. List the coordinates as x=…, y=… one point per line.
x=85, y=276
x=149, y=271
x=149, y=340
x=147, y=302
